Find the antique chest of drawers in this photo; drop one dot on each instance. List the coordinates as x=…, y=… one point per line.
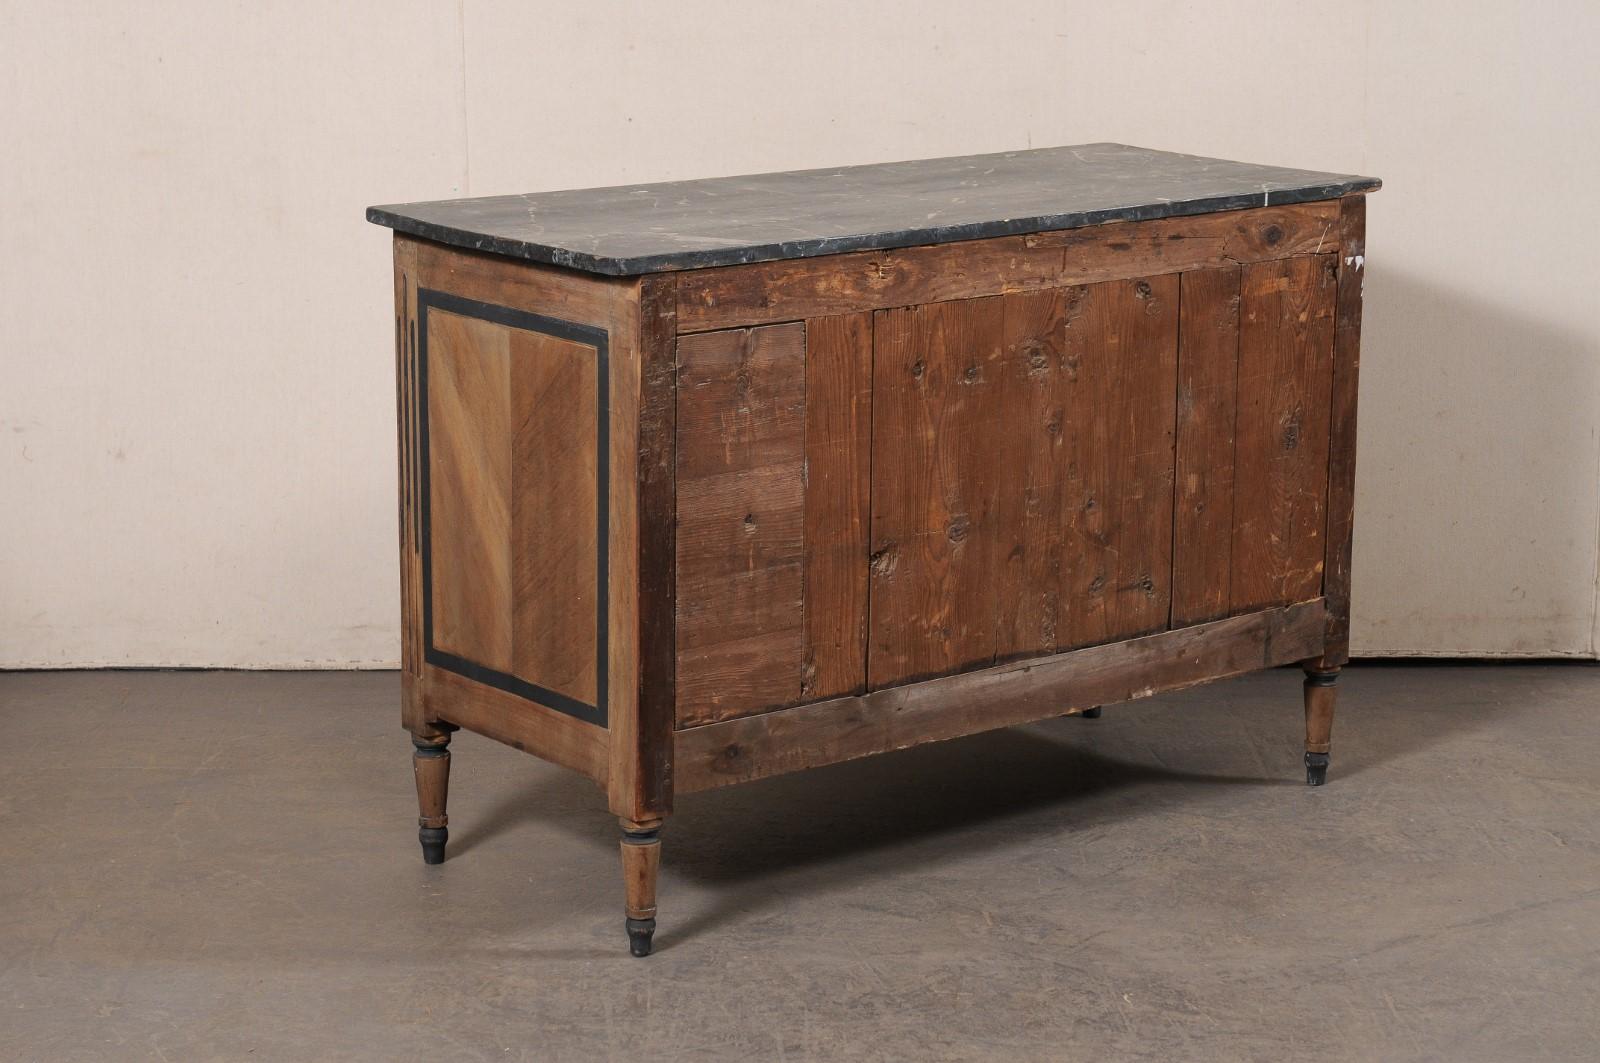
x=711, y=480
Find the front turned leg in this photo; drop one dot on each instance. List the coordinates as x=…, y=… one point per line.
x=431, y=763
x=1320, y=695
x=641, y=857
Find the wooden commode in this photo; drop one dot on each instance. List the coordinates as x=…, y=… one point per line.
x=712, y=480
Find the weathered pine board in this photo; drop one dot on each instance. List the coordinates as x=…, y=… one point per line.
x=1281, y=440
x=1202, y=526
x=741, y=498
x=828, y=732
x=1033, y=461
x=838, y=449
x=937, y=416
x=1119, y=392
x=792, y=290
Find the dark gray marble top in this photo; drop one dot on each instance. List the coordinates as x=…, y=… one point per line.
x=632, y=229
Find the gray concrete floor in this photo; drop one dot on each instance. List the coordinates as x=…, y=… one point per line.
x=224, y=866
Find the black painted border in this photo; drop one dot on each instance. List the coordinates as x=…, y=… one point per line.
x=588, y=336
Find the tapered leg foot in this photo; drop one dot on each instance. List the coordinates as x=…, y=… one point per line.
x=641, y=858
x=1091, y=714
x=1320, y=696
x=431, y=763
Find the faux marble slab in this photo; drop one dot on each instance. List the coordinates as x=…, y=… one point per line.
x=633, y=229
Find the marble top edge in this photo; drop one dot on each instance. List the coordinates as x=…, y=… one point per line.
x=626, y=230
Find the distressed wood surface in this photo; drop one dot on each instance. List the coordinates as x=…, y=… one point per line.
x=792, y=290
x=1202, y=526
x=937, y=419
x=1281, y=439
x=741, y=499
x=827, y=732
x=641, y=781
x=838, y=448
x=1342, y=445
x=1119, y=389
x=1033, y=465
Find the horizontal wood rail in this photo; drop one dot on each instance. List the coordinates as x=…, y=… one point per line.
x=827, y=732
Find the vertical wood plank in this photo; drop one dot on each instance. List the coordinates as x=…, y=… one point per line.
x=554, y=513
x=1285, y=381
x=469, y=428
x=1120, y=396
x=1032, y=468
x=741, y=498
x=936, y=422
x=838, y=448
x=1208, y=357
x=1342, y=432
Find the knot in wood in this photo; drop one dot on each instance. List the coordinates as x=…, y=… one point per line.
x=1272, y=235
x=883, y=562
x=1292, y=428
x=971, y=375
x=1142, y=289
x=958, y=528
x=918, y=368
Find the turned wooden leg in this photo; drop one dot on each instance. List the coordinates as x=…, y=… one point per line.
x=1320, y=695
x=431, y=762
x=641, y=856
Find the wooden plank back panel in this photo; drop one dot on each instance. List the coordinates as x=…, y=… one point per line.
x=1208, y=359
x=554, y=513
x=1032, y=466
x=937, y=417
x=469, y=432
x=1284, y=392
x=1119, y=386
x=741, y=498
x=838, y=381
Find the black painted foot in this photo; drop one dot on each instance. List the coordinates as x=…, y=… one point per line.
x=1316, y=769
x=640, y=931
x=1091, y=714
x=433, y=839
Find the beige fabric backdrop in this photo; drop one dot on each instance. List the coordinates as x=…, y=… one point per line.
x=196, y=418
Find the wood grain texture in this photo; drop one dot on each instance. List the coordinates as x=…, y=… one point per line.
x=741, y=498
x=937, y=420
x=1202, y=526
x=642, y=772
x=838, y=449
x=1202, y=241
x=827, y=732
x=555, y=530
x=1342, y=445
x=758, y=293
x=469, y=448
x=1281, y=439
x=1120, y=394
x=1032, y=461
x=517, y=722
x=612, y=306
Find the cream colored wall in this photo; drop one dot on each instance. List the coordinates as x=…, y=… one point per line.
x=196, y=414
